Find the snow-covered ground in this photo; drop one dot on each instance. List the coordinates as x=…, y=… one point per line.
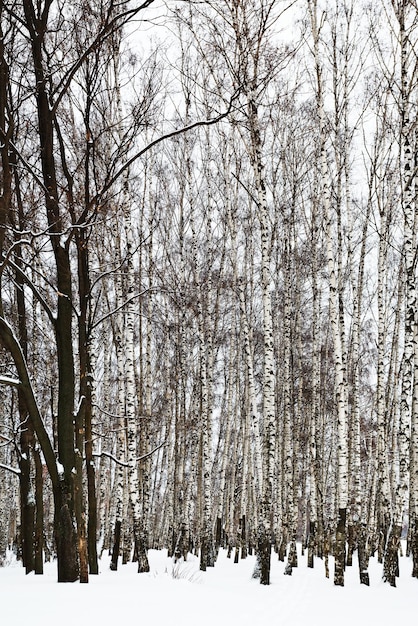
x=223, y=596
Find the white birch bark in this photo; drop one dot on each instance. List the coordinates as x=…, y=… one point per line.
x=182, y=496
x=144, y=441
x=288, y=431
x=315, y=430
x=252, y=400
x=269, y=417
x=119, y=486
x=246, y=481
x=413, y=443
x=383, y=513
x=357, y=510
x=409, y=212
x=413, y=459
x=391, y=566
x=129, y=357
x=3, y=526
x=207, y=551
x=130, y=400
x=337, y=331
x=104, y=475
x=251, y=413
x=230, y=419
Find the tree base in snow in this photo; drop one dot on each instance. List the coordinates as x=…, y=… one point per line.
x=339, y=552
x=391, y=561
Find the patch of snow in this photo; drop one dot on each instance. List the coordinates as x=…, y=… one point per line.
x=60, y=470
x=182, y=595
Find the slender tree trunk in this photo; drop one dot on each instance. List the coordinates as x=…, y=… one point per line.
x=391, y=564
x=269, y=417
x=39, y=520
x=383, y=493
x=120, y=470
x=27, y=496
x=340, y=373
x=130, y=402
x=413, y=459
x=314, y=462
x=66, y=538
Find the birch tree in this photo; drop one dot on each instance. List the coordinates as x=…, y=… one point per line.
x=340, y=367
x=405, y=12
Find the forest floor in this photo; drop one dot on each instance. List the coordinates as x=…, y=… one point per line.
x=225, y=595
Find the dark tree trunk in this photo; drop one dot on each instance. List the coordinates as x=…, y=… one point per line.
x=91, y=488
x=180, y=547
x=27, y=499
x=27, y=436
x=264, y=554
x=244, y=549
x=391, y=561
x=127, y=546
x=311, y=543
x=141, y=548
x=320, y=534
x=326, y=546
x=5, y=122
x=65, y=534
x=282, y=550
x=363, y=558
x=414, y=548
x=27, y=512
x=382, y=538
x=293, y=554
x=339, y=552
x=238, y=542
x=39, y=523
x=207, y=548
x=351, y=543
x=36, y=22
x=116, y=546
x=172, y=542
x=92, y=511
x=236, y=555
x=203, y=552
x=70, y=498
x=218, y=534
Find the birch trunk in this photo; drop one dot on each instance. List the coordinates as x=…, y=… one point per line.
x=207, y=548
x=391, y=565
x=383, y=494
x=226, y=460
x=288, y=424
x=357, y=513
x=315, y=430
x=120, y=471
x=269, y=417
x=130, y=402
x=413, y=459
x=340, y=374
x=146, y=418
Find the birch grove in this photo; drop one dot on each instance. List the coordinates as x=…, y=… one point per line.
x=208, y=274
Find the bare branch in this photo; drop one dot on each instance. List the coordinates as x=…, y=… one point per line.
x=158, y=140
x=13, y=470
x=11, y=382
x=110, y=456
x=110, y=27
x=118, y=308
